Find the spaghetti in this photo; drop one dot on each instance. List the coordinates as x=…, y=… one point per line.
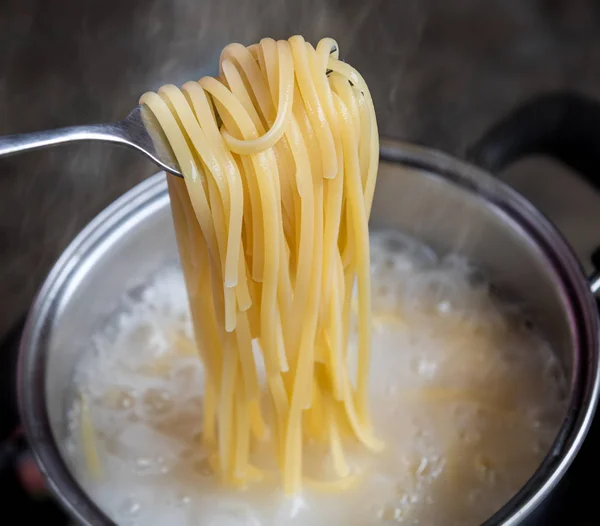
x=279, y=156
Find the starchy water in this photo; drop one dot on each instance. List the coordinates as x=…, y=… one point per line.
x=465, y=393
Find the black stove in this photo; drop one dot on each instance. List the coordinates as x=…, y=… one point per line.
x=31, y=507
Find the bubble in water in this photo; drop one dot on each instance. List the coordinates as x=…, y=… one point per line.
x=150, y=466
x=160, y=461
x=204, y=467
x=390, y=514
x=469, y=435
x=141, y=335
x=144, y=465
x=473, y=496
x=119, y=399
x=422, y=468
x=130, y=508
x=232, y=514
x=158, y=401
x=126, y=401
x=180, y=499
x=392, y=389
x=485, y=469
x=430, y=467
x=427, y=368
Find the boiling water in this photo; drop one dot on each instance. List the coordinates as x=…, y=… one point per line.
x=465, y=393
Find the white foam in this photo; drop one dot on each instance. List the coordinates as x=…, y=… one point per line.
x=466, y=398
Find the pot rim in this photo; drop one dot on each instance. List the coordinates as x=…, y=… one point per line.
x=144, y=198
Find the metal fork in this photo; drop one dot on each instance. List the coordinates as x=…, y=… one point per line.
x=139, y=130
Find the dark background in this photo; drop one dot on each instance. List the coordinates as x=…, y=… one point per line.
x=441, y=72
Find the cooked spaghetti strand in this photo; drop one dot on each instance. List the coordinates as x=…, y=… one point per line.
x=279, y=157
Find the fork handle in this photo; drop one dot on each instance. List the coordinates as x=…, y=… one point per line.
x=24, y=142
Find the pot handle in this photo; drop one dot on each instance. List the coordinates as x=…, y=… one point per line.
x=595, y=279
x=561, y=125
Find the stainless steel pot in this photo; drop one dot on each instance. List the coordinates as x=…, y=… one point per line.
x=449, y=204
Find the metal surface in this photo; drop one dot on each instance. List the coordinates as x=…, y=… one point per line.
x=139, y=131
x=595, y=284
x=449, y=204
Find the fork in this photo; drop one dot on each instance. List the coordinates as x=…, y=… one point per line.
x=139, y=130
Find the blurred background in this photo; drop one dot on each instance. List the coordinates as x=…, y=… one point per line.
x=441, y=73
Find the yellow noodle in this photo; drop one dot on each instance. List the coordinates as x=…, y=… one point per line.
x=359, y=216
x=335, y=486
x=286, y=91
x=279, y=157
x=88, y=438
x=339, y=462
x=242, y=437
